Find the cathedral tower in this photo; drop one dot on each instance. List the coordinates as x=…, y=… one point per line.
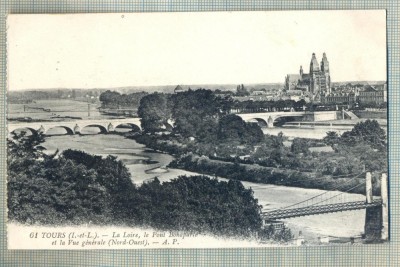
x=314, y=66
x=325, y=72
x=317, y=83
x=320, y=80
x=324, y=63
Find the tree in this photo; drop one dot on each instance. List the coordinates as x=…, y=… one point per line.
x=242, y=91
x=154, y=111
x=196, y=113
x=202, y=204
x=368, y=132
x=253, y=134
x=299, y=145
x=110, y=99
x=232, y=128
x=21, y=145
x=72, y=188
x=332, y=138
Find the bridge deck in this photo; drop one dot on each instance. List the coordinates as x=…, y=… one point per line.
x=319, y=209
x=45, y=125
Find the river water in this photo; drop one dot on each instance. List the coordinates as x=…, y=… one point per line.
x=306, y=132
x=145, y=164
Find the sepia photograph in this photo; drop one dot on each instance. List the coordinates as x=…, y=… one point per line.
x=197, y=130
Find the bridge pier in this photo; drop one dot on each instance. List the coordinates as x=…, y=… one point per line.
x=377, y=218
x=385, y=207
x=41, y=129
x=373, y=224
x=77, y=129
x=376, y=227
x=110, y=128
x=270, y=122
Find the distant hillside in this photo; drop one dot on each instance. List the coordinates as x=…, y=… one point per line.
x=59, y=93
x=36, y=94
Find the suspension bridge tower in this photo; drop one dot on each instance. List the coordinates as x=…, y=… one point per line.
x=377, y=217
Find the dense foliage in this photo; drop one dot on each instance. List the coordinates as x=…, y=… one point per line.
x=74, y=187
x=267, y=175
x=201, y=204
x=368, y=133
x=111, y=99
x=154, y=111
x=69, y=188
x=198, y=114
x=354, y=152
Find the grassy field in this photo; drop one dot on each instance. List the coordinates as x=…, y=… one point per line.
x=53, y=109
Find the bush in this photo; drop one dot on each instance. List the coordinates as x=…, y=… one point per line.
x=281, y=235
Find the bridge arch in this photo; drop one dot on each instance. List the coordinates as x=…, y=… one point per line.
x=84, y=128
x=66, y=128
x=286, y=118
x=23, y=129
x=132, y=126
x=260, y=121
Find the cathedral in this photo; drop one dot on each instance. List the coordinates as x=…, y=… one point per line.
x=316, y=83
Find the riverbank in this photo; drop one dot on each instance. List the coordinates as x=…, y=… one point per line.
x=268, y=175
x=289, y=166
x=136, y=156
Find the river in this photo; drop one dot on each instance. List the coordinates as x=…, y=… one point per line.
x=145, y=164
x=306, y=132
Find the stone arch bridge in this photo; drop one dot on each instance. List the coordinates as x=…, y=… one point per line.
x=76, y=126
x=109, y=125
x=269, y=118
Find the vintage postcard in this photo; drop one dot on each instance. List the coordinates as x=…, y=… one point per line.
x=197, y=130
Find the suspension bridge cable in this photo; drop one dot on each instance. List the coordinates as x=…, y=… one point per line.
x=326, y=192
x=336, y=195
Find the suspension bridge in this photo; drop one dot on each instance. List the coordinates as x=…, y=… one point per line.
x=376, y=221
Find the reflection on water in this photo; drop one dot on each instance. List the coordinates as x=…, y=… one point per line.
x=145, y=164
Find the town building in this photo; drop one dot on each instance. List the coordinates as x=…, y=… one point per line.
x=339, y=98
x=178, y=89
x=349, y=94
x=373, y=95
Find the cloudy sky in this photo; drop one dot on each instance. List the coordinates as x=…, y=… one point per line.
x=113, y=50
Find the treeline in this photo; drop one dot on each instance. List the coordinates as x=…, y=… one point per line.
x=226, y=103
x=251, y=106
x=115, y=100
x=362, y=105
x=74, y=187
x=266, y=175
x=48, y=94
